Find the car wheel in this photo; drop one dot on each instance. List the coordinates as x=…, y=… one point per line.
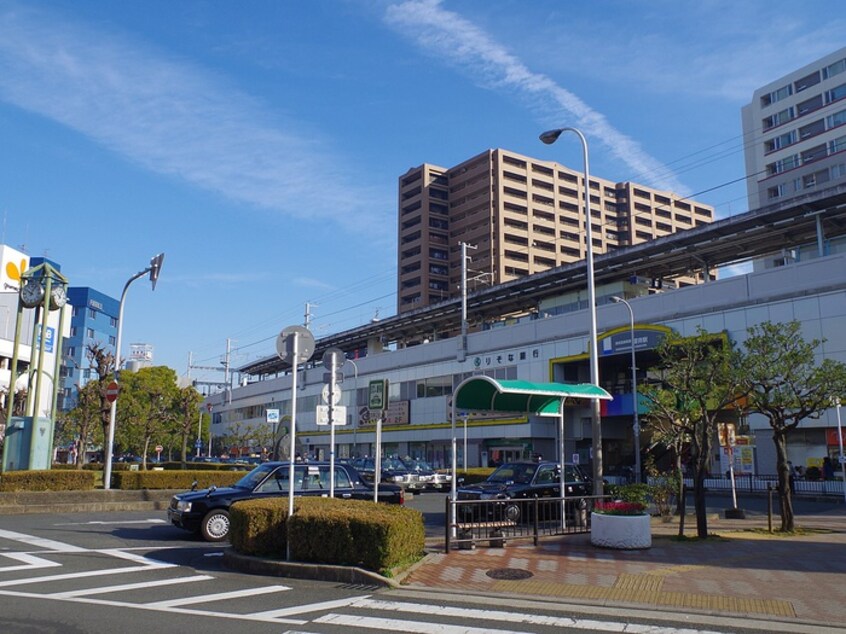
x=215, y=526
x=512, y=513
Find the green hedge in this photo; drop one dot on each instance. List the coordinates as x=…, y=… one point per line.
x=474, y=475
x=258, y=526
x=374, y=536
x=133, y=480
x=47, y=480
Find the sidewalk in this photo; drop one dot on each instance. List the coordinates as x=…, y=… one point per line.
x=799, y=579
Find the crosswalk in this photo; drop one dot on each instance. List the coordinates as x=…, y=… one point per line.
x=131, y=580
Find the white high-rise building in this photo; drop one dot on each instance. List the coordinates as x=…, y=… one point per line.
x=794, y=132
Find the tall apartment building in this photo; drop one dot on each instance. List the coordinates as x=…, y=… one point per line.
x=794, y=132
x=523, y=216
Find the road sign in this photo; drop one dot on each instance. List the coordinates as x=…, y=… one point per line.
x=334, y=355
x=285, y=344
x=198, y=444
x=335, y=391
x=112, y=391
x=339, y=418
x=272, y=416
x=377, y=394
x=339, y=377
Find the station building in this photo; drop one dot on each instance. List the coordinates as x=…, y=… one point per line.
x=552, y=346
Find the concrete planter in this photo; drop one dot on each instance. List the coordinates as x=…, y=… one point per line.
x=620, y=531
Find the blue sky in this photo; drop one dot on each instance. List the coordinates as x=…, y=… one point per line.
x=258, y=143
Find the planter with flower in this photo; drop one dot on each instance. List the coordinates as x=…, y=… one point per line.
x=620, y=525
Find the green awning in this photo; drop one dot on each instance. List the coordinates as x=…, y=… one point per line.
x=482, y=393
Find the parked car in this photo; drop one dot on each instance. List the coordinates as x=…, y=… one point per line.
x=393, y=470
x=207, y=511
x=428, y=477
x=521, y=480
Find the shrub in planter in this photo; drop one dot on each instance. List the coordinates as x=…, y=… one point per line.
x=620, y=524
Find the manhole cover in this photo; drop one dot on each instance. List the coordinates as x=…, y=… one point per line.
x=510, y=574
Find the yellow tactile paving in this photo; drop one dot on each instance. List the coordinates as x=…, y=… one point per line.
x=634, y=589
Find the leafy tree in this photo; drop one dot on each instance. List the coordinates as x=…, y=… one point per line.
x=187, y=412
x=146, y=409
x=699, y=380
x=667, y=431
x=92, y=407
x=786, y=385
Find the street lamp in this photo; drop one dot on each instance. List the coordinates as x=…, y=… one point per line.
x=636, y=423
x=154, y=269
x=550, y=137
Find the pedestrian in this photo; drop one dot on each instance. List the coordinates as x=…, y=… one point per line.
x=827, y=469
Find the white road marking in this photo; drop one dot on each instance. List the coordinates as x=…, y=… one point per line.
x=476, y=614
x=38, y=542
x=311, y=607
x=412, y=627
x=127, y=586
x=82, y=575
x=142, y=606
x=101, y=522
x=138, y=559
x=31, y=562
x=220, y=596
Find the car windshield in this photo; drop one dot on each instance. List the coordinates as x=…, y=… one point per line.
x=251, y=480
x=393, y=464
x=520, y=473
x=418, y=465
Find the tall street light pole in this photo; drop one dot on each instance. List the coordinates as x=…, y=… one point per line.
x=550, y=137
x=153, y=270
x=636, y=422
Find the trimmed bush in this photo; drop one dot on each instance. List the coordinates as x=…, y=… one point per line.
x=258, y=526
x=47, y=480
x=374, y=536
x=474, y=475
x=135, y=480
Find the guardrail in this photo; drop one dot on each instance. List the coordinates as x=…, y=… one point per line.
x=497, y=521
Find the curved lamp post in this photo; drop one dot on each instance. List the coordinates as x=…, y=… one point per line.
x=153, y=270
x=636, y=422
x=549, y=137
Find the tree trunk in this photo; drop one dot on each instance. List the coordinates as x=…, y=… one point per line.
x=680, y=476
x=785, y=493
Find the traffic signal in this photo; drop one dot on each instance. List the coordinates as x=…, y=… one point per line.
x=155, y=268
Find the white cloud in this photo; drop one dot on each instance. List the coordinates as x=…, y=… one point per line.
x=308, y=282
x=175, y=118
x=450, y=37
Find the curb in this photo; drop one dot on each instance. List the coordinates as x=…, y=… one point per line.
x=298, y=570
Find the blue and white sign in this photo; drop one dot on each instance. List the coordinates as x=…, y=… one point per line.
x=48, y=345
x=273, y=416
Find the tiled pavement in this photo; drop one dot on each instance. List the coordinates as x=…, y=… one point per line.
x=799, y=579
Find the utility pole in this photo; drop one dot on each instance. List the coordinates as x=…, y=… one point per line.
x=462, y=351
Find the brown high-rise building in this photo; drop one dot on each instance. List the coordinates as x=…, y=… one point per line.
x=523, y=216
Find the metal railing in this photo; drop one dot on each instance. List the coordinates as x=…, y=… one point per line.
x=496, y=521
x=758, y=484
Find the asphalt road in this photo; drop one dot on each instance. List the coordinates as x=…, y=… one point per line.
x=132, y=572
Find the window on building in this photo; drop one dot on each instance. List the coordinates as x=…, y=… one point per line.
x=834, y=69
x=89, y=332
x=776, y=191
x=73, y=331
x=806, y=82
x=92, y=314
x=780, y=141
x=111, y=340
x=835, y=93
x=778, y=119
x=809, y=105
x=776, y=95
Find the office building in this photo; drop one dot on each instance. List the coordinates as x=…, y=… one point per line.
x=794, y=132
x=94, y=318
x=521, y=216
